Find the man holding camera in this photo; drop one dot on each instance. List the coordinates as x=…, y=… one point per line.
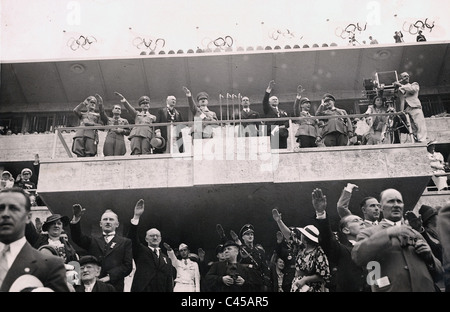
x=410, y=103
x=397, y=257
x=229, y=275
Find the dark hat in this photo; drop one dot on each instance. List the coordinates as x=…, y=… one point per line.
x=55, y=217
x=427, y=212
x=202, y=95
x=219, y=248
x=158, y=142
x=230, y=243
x=49, y=248
x=142, y=98
x=89, y=259
x=304, y=100
x=328, y=96
x=245, y=229
x=311, y=232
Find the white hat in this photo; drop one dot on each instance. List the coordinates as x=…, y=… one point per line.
x=26, y=170
x=183, y=246
x=311, y=232
x=24, y=283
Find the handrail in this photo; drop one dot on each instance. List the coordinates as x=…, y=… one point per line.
x=233, y=122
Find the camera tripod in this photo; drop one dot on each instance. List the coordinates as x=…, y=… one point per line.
x=395, y=125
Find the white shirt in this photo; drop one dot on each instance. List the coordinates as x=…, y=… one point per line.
x=15, y=248
x=88, y=288
x=109, y=236
x=397, y=223
x=155, y=249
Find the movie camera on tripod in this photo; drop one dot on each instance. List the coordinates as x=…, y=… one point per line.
x=384, y=86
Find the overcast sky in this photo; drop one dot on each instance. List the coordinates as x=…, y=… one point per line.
x=49, y=29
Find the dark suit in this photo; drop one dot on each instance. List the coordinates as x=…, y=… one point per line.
x=50, y=270
x=116, y=257
x=163, y=116
x=443, y=226
x=404, y=268
x=349, y=277
x=153, y=274
x=218, y=269
x=99, y=286
x=248, y=128
x=279, y=138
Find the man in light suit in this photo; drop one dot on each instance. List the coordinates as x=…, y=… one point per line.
x=17, y=256
x=154, y=271
x=398, y=257
x=112, y=250
x=410, y=103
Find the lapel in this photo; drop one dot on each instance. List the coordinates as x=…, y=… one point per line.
x=25, y=263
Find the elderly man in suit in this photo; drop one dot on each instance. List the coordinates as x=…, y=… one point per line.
x=410, y=103
x=113, y=251
x=248, y=128
x=170, y=114
x=90, y=268
x=398, y=257
x=230, y=275
x=17, y=256
x=154, y=271
x=277, y=130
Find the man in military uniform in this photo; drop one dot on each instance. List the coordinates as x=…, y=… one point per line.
x=85, y=140
x=140, y=137
x=254, y=256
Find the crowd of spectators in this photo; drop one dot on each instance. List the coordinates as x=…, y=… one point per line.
x=399, y=251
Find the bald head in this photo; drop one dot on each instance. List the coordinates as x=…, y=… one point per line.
x=153, y=237
x=392, y=205
x=171, y=101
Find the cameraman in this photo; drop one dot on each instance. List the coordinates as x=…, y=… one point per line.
x=410, y=103
x=229, y=275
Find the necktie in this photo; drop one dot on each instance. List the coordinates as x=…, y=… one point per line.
x=107, y=237
x=155, y=250
x=185, y=261
x=116, y=121
x=3, y=263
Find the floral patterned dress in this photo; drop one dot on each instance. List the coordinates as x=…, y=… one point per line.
x=310, y=263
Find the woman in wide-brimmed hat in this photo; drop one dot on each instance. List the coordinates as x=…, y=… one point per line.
x=52, y=230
